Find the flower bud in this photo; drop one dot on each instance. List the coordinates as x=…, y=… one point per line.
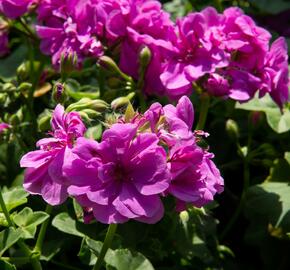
x=68, y=63
x=4, y=127
x=8, y=87
x=110, y=65
x=86, y=103
x=23, y=71
x=145, y=57
x=89, y=114
x=59, y=94
x=122, y=101
x=232, y=129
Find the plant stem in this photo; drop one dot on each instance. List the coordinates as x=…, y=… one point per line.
x=41, y=235
x=34, y=262
x=239, y=208
x=107, y=243
x=205, y=102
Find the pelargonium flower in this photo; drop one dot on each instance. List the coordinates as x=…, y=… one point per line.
x=197, y=54
x=134, y=24
x=3, y=38
x=67, y=29
x=15, y=8
x=44, y=174
x=194, y=177
x=122, y=177
x=275, y=74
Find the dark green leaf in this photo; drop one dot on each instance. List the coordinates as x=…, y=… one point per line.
x=8, y=237
x=14, y=197
x=6, y=266
x=66, y=224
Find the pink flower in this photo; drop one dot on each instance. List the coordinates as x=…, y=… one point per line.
x=122, y=177
x=67, y=30
x=44, y=174
x=15, y=8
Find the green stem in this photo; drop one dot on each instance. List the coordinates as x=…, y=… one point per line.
x=205, y=102
x=239, y=208
x=34, y=262
x=107, y=243
x=42, y=232
x=218, y=5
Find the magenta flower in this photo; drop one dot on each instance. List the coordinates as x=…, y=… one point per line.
x=44, y=174
x=67, y=29
x=135, y=24
x=275, y=72
x=15, y=8
x=194, y=177
x=4, y=49
x=197, y=54
x=122, y=177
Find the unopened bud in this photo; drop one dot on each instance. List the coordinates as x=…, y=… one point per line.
x=232, y=129
x=59, y=93
x=4, y=127
x=68, y=63
x=43, y=120
x=89, y=114
x=24, y=87
x=98, y=105
x=9, y=87
x=145, y=57
x=122, y=101
x=110, y=65
x=23, y=71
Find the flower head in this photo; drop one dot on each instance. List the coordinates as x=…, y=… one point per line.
x=44, y=174
x=124, y=175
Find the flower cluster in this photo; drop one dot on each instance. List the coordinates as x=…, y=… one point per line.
x=226, y=53
x=139, y=160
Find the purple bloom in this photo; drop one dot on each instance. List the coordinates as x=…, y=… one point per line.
x=67, y=30
x=44, y=174
x=15, y=8
x=122, y=177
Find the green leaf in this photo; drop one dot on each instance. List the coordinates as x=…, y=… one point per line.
x=129, y=113
x=124, y=259
x=66, y=224
x=8, y=237
x=14, y=197
x=95, y=132
x=9, y=64
x=119, y=259
x=277, y=121
x=50, y=249
x=280, y=172
x=28, y=220
x=6, y=266
x=287, y=157
x=267, y=207
x=89, y=251
x=271, y=7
